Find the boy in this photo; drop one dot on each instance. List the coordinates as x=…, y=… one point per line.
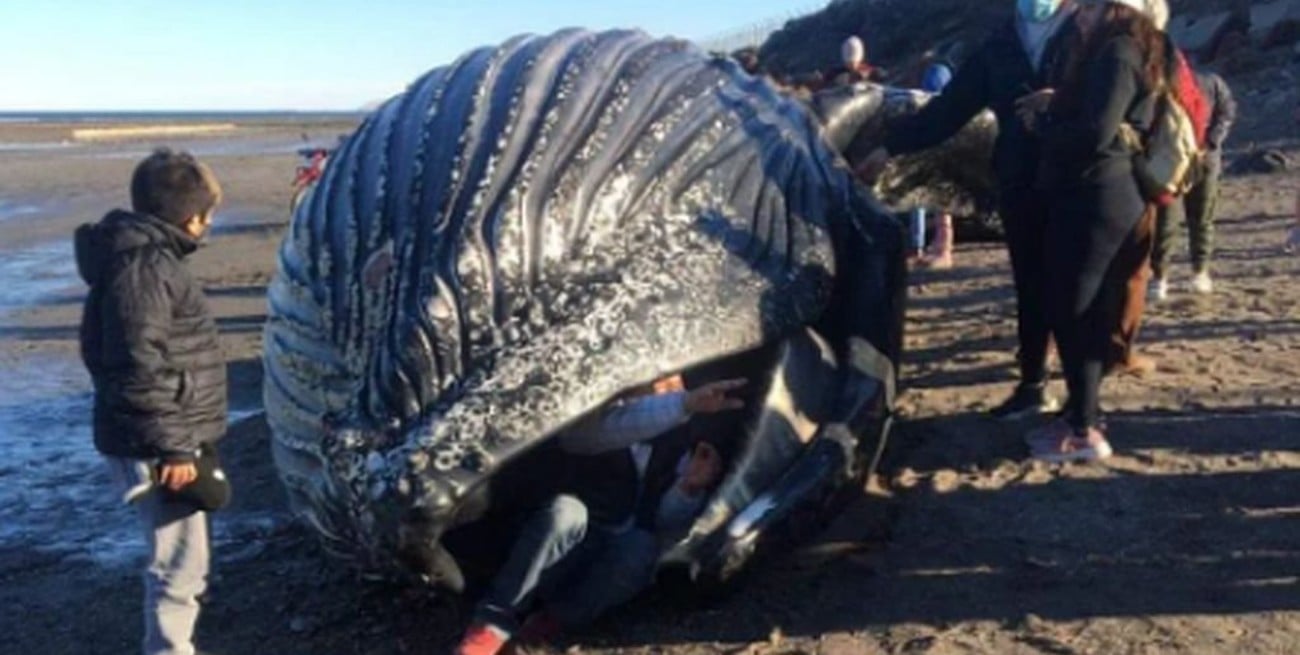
x=150, y=345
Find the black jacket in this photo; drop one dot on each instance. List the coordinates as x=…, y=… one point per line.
x=1081, y=139
x=994, y=77
x=148, y=340
x=609, y=485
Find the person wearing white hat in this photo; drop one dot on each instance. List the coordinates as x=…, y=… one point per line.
x=854, y=67
x=1126, y=359
x=852, y=52
x=1095, y=234
x=1158, y=10
x=1155, y=10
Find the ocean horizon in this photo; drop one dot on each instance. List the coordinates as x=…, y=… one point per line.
x=114, y=116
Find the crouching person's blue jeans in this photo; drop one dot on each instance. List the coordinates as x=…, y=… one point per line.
x=578, y=570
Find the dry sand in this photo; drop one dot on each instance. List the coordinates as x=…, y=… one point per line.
x=1188, y=541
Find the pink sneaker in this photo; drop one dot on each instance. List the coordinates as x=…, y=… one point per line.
x=1075, y=448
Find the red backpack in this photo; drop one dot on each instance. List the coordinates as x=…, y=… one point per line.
x=1189, y=95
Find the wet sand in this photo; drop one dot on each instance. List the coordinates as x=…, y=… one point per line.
x=1188, y=541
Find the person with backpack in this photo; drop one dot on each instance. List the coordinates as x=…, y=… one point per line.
x=1197, y=207
x=1168, y=158
x=1011, y=63
x=1107, y=89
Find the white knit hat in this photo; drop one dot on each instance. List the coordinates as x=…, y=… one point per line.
x=852, y=51
x=1156, y=10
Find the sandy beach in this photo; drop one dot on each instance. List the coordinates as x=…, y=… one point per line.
x=1188, y=541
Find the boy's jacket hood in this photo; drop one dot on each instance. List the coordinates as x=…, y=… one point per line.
x=96, y=244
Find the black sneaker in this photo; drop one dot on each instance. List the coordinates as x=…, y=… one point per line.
x=1026, y=400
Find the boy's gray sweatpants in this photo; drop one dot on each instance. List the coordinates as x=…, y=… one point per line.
x=176, y=571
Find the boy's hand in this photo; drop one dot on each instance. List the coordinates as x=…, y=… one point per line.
x=703, y=470
x=177, y=474
x=712, y=397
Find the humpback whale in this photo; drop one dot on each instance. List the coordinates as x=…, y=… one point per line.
x=531, y=231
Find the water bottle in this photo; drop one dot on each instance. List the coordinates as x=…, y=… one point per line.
x=917, y=231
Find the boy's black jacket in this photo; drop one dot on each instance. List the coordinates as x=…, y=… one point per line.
x=149, y=340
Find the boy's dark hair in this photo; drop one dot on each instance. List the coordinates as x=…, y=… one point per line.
x=173, y=186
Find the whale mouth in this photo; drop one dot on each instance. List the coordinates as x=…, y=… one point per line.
x=813, y=419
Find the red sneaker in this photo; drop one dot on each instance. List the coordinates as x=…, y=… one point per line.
x=541, y=627
x=481, y=639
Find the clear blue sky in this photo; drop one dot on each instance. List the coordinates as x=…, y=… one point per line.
x=292, y=54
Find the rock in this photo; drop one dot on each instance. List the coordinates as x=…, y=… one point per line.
x=1275, y=23
x=1200, y=35
x=1261, y=161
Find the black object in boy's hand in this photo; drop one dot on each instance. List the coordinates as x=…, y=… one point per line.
x=209, y=491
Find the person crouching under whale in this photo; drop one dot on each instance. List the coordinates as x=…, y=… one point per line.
x=642, y=478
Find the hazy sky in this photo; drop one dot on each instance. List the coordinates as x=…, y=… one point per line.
x=292, y=54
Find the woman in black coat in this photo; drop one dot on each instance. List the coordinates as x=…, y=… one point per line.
x=1094, y=203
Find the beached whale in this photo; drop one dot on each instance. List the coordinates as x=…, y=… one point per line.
x=526, y=234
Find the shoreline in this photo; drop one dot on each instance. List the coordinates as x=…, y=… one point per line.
x=163, y=127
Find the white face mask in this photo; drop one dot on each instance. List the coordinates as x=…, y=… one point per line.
x=1037, y=11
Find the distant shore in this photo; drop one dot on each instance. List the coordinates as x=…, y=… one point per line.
x=108, y=129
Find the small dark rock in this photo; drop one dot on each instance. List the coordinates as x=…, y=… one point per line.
x=1261, y=161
